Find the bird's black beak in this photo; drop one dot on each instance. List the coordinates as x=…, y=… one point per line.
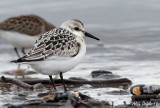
x=91, y=36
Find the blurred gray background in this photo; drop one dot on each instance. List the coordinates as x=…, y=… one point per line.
x=104, y=18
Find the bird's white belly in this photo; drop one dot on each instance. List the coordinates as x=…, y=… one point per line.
x=18, y=40
x=53, y=67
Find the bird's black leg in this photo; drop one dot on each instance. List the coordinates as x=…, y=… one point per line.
x=15, y=49
x=61, y=76
x=23, y=51
x=50, y=76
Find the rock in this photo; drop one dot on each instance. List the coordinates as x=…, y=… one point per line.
x=76, y=94
x=77, y=78
x=99, y=94
x=19, y=97
x=22, y=95
x=61, y=96
x=118, y=92
x=99, y=72
x=108, y=76
x=141, y=89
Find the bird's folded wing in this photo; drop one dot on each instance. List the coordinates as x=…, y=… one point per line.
x=30, y=25
x=56, y=43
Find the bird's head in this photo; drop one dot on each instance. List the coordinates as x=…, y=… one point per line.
x=77, y=28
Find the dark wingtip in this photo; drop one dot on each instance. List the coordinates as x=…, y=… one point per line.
x=13, y=61
x=17, y=61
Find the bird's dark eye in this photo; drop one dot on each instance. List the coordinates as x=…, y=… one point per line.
x=76, y=28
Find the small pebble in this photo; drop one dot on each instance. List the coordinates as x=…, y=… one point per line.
x=99, y=94
x=76, y=94
x=14, y=88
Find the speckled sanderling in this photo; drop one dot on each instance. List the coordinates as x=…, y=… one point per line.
x=23, y=31
x=58, y=50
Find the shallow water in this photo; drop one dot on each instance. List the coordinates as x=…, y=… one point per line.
x=129, y=31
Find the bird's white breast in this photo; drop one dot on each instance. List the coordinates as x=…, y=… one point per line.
x=55, y=66
x=18, y=40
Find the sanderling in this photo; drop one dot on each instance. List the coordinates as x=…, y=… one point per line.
x=23, y=31
x=58, y=50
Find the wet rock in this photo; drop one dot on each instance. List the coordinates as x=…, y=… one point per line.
x=99, y=72
x=61, y=96
x=24, y=92
x=33, y=100
x=118, y=92
x=77, y=78
x=84, y=101
x=19, y=97
x=108, y=76
x=22, y=95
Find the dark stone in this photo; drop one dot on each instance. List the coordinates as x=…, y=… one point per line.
x=19, y=98
x=108, y=76
x=21, y=95
x=99, y=72
x=77, y=78
x=118, y=92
